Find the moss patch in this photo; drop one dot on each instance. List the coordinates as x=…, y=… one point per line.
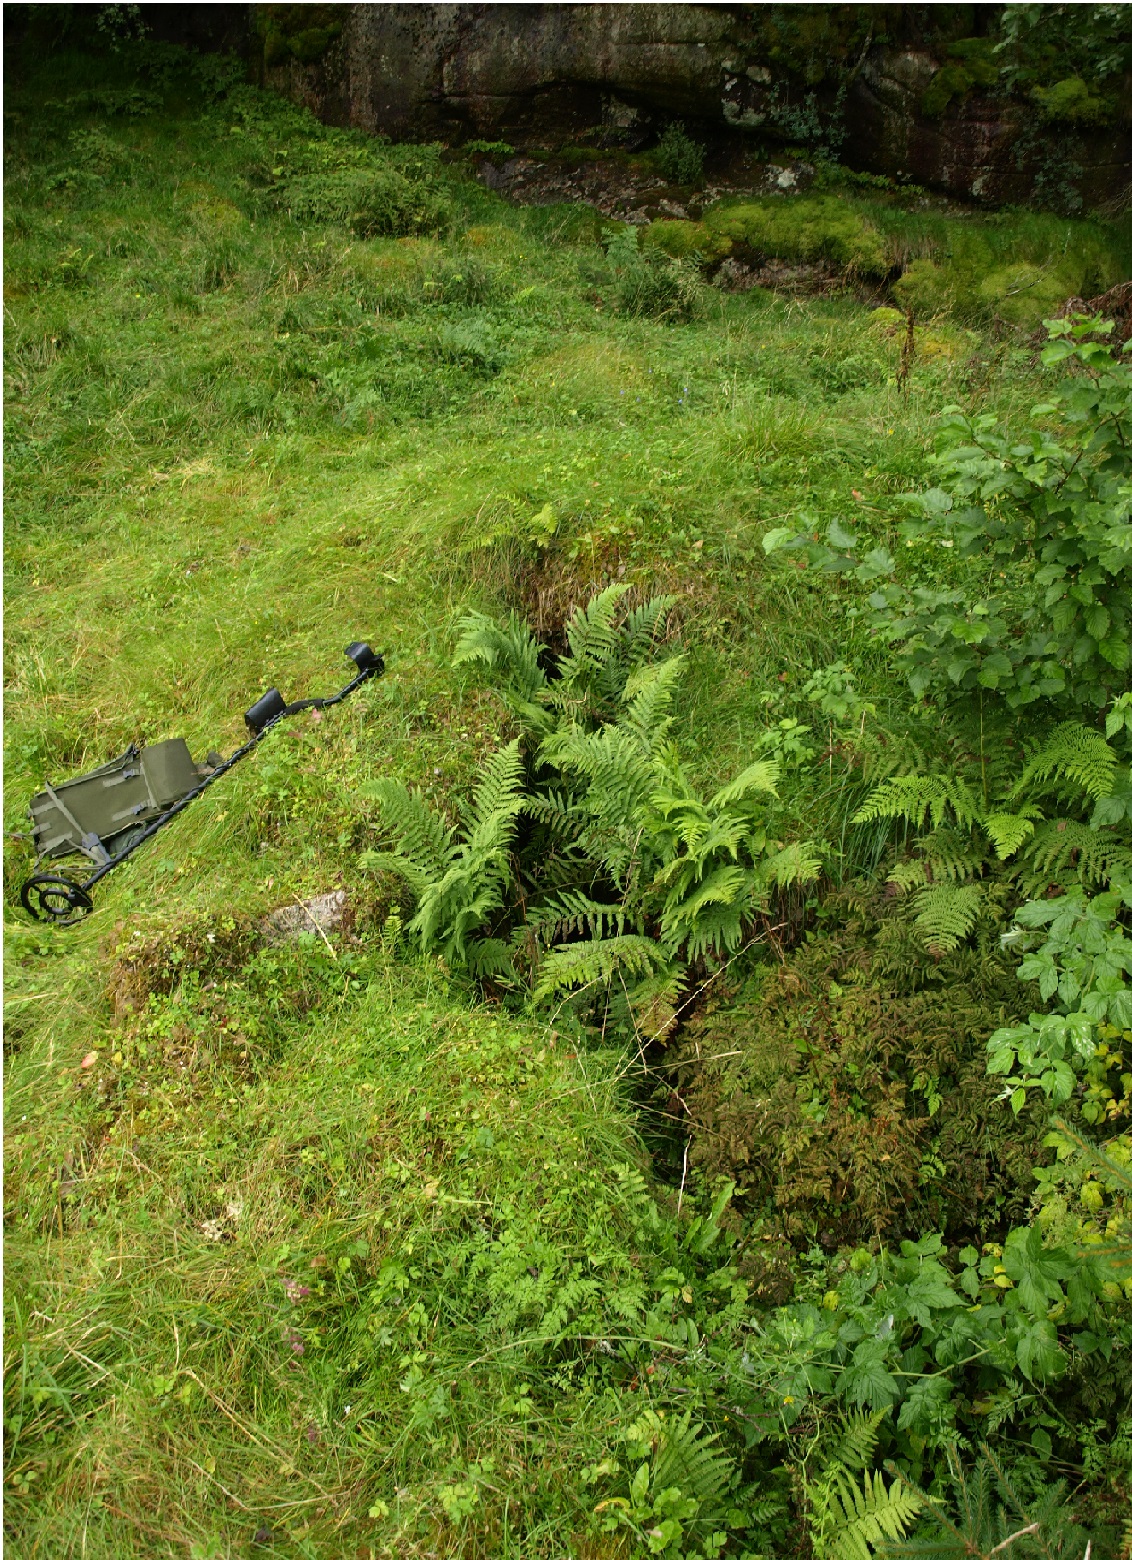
x=807, y=229
x=1073, y=102
x=971, y=63
x=687, y=240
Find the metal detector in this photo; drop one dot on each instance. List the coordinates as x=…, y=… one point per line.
x=107, y=814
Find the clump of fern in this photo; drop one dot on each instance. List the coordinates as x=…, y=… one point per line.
x=1049, y=827
x=461, y=885
x=589, y=862
x=853, y=1514
x=986, y=1516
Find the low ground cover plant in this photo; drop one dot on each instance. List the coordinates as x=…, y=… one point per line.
x=707, y=1135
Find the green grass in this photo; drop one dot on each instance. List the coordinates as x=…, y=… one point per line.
x=236, y=443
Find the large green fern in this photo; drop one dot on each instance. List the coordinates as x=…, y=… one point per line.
x=460, y=885
x=597, y=961
x=1074, y=756
x=854, y=1515
x=1037, y=830
x=512, y=652
x=687, y=1458
x=423, y=844
x=624, y=873
x=946, y=914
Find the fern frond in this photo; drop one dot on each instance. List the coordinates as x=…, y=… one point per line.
x=489, y=958
x=865, y=1518
x=761, y=776
x=946, y=914
x=647, y=699
x=591, y=632
x=1065, y=852
x=689, y=1460
x=854, y=1448
x=570, y=913
x=652, y=1003
x=907, y=875
x=1008, y=832
x=797, y=863
x=423, y=844
x=555, y=810
x=642, y=626
x=853, y=1521
x=512, y=650
x=497, y=793
x=710, y=918
x=620, y=776
x=401, y=866
x=597, y=961
x=1074, y=753
x=919, y=797
x=952, y=854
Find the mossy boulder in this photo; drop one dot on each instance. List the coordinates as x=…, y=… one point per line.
x=1025, y=294
x=927, y=288
x=687, y=240
x=803, y=229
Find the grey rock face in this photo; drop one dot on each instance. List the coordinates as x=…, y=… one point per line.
x=542, y=74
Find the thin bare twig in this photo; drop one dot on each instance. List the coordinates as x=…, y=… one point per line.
x=1021, y=1533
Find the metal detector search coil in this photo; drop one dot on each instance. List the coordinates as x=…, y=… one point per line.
x=126, y=802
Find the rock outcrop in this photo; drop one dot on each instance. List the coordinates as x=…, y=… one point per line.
x=916, y=103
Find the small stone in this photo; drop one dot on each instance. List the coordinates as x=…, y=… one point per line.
x=325, y=913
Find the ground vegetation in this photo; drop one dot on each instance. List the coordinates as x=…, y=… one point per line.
x=708, y=1131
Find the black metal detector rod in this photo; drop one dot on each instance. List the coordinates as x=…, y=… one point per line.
x=60, y=900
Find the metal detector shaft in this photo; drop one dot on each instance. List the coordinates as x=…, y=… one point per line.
x=49, y=897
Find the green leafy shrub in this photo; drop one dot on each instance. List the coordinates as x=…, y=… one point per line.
x=1040, y=44
x=953, y=1344
x=1051, y=619
x=803, y=228
x=679, y=158
x=1083, y=963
